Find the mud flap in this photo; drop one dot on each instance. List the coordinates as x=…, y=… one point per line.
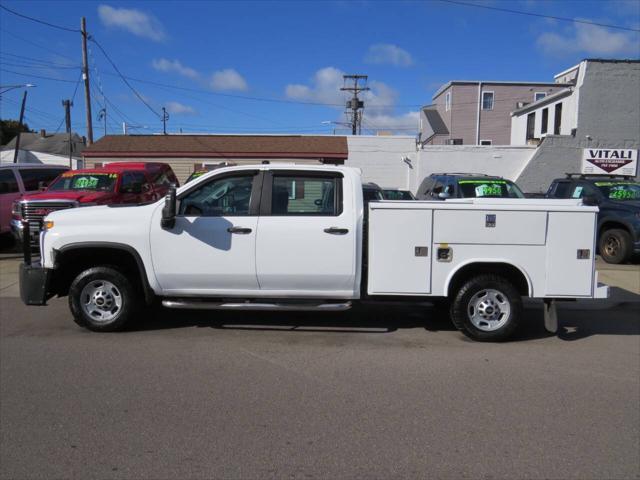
x=550, y=316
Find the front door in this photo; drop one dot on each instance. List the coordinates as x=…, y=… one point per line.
x=211, y=248
x=306, y=244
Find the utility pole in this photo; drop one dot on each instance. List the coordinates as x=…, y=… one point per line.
x=165, y=117
x=24, y=101
x=102, y=115
x=85, y=76
x=67, y=104
x=355, y=104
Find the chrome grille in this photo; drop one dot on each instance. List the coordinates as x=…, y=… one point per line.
x=35, y=211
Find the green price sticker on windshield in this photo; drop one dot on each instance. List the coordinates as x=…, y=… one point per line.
x=488, y=190
x=86, y=182
x=617, y=193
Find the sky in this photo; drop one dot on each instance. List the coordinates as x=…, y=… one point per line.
x=276, y=67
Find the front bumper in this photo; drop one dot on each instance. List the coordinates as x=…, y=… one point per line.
x=34, y=284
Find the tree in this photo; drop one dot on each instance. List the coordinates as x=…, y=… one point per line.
x=9, y=129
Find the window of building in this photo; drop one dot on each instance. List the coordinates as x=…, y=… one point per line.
x=299, y=195
x=486, y=142
x=545, y=120
x=531, y=125
x=539, y=96
x=557, y=120
x=487, y=100
x=447, y=101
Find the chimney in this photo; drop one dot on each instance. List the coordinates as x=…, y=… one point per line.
x=43, y=133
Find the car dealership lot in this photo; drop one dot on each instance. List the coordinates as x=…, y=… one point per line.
x=378, y=392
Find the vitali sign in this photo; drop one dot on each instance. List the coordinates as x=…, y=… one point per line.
x=611, y=161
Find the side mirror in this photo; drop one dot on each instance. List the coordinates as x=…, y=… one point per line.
x=444, y=195
x=169, y=209
x=590, y=200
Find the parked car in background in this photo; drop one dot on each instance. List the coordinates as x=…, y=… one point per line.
x=118, y=182
x=440, y=186
x=16, y=179
x=618, y=199
x=393, y=194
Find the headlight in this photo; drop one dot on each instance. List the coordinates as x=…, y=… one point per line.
x=16, y=210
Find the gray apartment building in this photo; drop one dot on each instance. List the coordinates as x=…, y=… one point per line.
x=478, y=112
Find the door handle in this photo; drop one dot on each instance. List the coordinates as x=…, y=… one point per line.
x=239, y=230
x=336, y=231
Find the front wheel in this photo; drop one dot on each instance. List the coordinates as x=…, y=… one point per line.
x=487, y=308
x=102, y=299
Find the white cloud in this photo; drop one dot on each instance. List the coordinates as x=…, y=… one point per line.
x=380, y=101
x=179, y=108
x=132, y=20
x=228, y=79
x=590, y=40
x=164, y=65
x=388, y=54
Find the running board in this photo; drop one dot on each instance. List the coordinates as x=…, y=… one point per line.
x=263, y=307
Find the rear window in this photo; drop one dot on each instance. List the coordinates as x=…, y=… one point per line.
x=99, y=182
x=397, y=195
x=489, y=189
x=31, y=177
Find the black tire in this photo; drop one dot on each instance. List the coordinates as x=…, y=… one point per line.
x=472, y=290
x=126, y=295
x=615, y=246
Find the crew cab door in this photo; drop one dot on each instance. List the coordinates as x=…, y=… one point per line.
x=307, y=230
x=211, y=248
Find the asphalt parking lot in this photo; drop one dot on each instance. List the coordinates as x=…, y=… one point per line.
x=376, y=393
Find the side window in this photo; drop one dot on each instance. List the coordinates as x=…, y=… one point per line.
x=300, y=195
x=165, y=178
x=8, y=182
x=425, y=187
x=582, y=189
x=31, y=178
x=560, y=190
x=229, y=196
x=437, y=188
x=134, y=182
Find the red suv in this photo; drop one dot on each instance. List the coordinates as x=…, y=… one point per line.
x=118, y=182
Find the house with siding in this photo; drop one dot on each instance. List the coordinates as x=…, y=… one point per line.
x=476, y=112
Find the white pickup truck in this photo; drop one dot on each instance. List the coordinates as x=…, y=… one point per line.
x=292, y=237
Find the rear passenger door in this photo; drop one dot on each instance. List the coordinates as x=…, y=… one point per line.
x=306, y=242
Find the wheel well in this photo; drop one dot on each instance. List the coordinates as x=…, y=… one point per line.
x=505, y=270
x=608, y=225
x=70, y=263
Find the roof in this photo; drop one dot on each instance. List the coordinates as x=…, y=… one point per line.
x=55, y=144
x=121, y=166
x=543, y=101
x=261, y=146
x=435, y=121
x=22, y=165
x=494, y=82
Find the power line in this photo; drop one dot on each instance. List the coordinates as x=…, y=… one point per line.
x=37, y=76
x=539, y=15
x=73, y=30
x=38, y=61
x=26, y=40
x=123, y=77
x=24, y=65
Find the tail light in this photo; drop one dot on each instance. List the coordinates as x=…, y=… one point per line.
x=16, y=211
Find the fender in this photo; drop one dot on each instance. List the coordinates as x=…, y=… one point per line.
x=149, y=294
x=489, y=260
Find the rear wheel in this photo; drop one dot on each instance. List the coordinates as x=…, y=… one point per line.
x=487, y=308
x=615, y=246
x=102, y=299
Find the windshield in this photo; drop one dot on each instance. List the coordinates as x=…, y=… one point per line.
x=619, y=190
x=98, y=182
x=489, y=189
